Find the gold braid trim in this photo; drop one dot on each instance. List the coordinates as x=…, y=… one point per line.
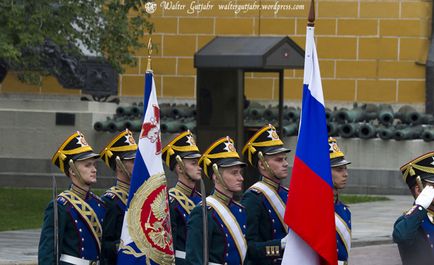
x=207, y=159
x=170, y=149
x=107, y=153
x=87, y=213
x=62, y=154
x=251, y=147
x=182, y=199
x=411, y=167
x=120, y=193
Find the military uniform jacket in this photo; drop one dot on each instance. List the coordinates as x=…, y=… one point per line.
x=224, y=247
x=115, y=200
x=182, y=200
x=79, y=229
x=265, y=228
x=414, y=234
x=343, y=230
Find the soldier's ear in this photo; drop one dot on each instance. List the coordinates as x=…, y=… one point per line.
x=260, y=165
x=178, y=169
x=70, y=172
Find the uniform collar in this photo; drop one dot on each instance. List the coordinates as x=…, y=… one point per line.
x=83, y=194
x=184, y=188
x=221, y=197
x=122, y=185
x=270, y=183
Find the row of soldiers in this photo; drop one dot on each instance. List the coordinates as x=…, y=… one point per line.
x=251, y=231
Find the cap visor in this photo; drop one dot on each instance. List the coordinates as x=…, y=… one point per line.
x=342, y=162
x=233, y=163
x=191, y=156
x=277, y=150
x=128, y=156
x=85, y=156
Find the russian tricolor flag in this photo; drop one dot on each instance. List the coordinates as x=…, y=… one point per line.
x=146, y=234
x=310, y=209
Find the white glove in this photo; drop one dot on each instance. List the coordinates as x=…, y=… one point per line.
x=426, y=197
x=283, y=241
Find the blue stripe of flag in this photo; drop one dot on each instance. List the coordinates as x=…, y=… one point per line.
x=313, y=137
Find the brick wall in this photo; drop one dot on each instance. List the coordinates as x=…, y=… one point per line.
x=368, y=49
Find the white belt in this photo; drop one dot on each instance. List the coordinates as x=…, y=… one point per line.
x=77, y=261
x=180, y=254
x=340, y=262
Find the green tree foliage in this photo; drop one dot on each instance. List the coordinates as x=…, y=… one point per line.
x=113, y=29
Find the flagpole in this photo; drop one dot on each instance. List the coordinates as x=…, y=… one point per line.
x=149, y=66
x=308, y=243
x=311, y=17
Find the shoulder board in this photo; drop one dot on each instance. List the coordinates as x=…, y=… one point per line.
x=207, y=206
x=171, y=199
x=238, y=204
x=412, y=209
x=109, y=195
x=96, y=197
x=61, y=200
x=254, y=190
x=284, y=188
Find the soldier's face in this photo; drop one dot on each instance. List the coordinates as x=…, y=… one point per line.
x=340, y=176
x=233, y=178
x=87, y=169
x=192, y=168
x=279, y=164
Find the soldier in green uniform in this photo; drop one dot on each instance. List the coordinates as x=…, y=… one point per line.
x=265, y=200
x=342, y=213
x=79, y=212
x=119, y=155
x=414, y=231
x=181, y=155
x=226, y=219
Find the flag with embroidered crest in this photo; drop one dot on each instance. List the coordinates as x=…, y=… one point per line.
x=146, y=234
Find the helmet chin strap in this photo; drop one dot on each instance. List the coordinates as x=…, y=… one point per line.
x=215, y=169
x=76, y=172
x=121, y=166
x=266, y=165
x=182, y=166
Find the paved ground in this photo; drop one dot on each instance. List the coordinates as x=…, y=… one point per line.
x=372, y=241
x=372, y=231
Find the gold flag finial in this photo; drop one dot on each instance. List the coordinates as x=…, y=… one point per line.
x=148, y=67
x=311, y=17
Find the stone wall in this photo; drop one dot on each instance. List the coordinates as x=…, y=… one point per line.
x=369, y=51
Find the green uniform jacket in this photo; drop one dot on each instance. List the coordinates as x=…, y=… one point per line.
x=70, y=240
x=46, y=254
x=413, y=245
x=111, y=229
x=219, y=247
x=259, y=233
